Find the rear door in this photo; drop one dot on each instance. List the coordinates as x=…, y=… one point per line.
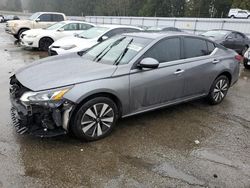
x=199, y=66
x=154, y=87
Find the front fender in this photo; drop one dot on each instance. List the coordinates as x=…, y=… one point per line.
x=118, y=87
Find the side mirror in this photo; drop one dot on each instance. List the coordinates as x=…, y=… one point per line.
x=103, y=38
x=60, y=30
x=229, y=38
x=38, y=20
x=149, y=63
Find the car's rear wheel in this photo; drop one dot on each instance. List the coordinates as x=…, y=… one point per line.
x=95, y=119
x=232, y=17
x=245, y=61
x=219, y=90
x=44, y=43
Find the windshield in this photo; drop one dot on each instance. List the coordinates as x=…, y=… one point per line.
x=215, y=34
x=117, y=50
x=93, y=32
x=56, y=26
x=34, y=16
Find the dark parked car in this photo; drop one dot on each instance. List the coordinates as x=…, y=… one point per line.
x=163, y=28
x=128, y=74
x=10, y=17
x=230, y=39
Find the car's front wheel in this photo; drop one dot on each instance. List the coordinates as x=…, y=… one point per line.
x=20, y=32
x=95, y=119
x=219, y=90
x=44, y=43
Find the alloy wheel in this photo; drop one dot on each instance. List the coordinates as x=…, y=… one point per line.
x=97, y=120
x=220, y=90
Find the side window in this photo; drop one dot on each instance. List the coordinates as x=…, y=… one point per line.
x=45, y=18
x=57, y=17
x=83, y=26
x=194, y=47
x=231, y=35
x=165, y=50
x=71, y=27
x=239, y=36
x=210, y=47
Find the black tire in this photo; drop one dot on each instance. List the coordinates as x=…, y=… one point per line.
x=44, y=43
x=95, y=119
x=218, y=90
x=18, y=36
x=232, y=16
x=245, y=61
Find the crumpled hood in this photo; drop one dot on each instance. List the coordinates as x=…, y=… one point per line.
x=60, y=71
x=79, y=42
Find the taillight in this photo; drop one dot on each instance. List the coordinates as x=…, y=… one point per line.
x=239, y=58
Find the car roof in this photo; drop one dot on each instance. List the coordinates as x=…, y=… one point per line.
x=228, y=30
x=75, y=21
x=162, y=26
x=156, y=35
x=51, y=13
x=113, y=26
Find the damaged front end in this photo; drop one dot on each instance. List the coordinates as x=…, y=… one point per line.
x=42, y=114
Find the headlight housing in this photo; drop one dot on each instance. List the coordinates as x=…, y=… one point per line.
x=50, y=98
x=68, y=47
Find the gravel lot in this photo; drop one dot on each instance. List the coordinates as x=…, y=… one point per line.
x=189, y=145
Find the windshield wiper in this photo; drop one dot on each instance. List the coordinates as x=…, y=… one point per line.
x=106, y=50
x=118, y=60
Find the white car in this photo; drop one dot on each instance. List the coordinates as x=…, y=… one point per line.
x=238, y=13
x=88, y=38
x=43, y=38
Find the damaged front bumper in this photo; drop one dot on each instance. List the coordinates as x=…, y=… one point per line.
x=38, y=120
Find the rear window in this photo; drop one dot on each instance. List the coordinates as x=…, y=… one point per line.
x=57, y=17
x=194, y=47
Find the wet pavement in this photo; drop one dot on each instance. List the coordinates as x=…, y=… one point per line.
x=189, y=145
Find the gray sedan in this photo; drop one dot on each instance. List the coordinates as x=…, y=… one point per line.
x=87, y=92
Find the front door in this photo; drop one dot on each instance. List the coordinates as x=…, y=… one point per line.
x=150, y=88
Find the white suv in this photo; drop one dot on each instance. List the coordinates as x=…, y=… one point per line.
x=36, y=21
x=239, y=13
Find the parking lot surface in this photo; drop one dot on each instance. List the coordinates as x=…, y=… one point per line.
x=189, y=145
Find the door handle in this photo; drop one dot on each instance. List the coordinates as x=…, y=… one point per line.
x=215, y=61
x=179, y=71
